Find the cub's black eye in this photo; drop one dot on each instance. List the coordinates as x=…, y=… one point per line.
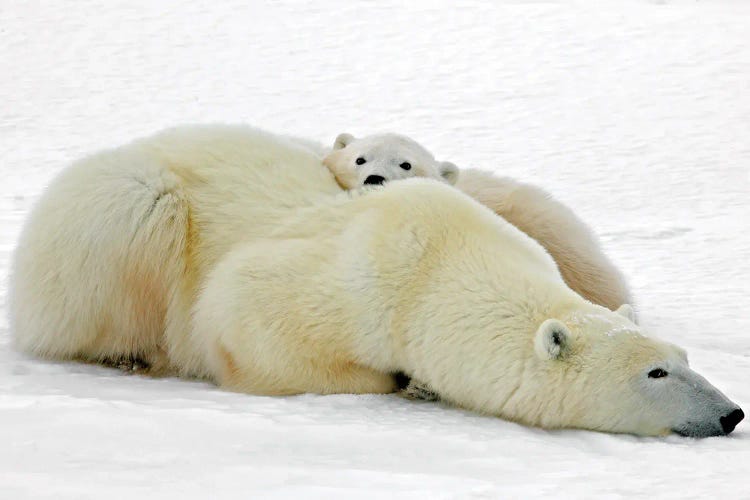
x=657, y=373
x=360, y=161
x=406, y=165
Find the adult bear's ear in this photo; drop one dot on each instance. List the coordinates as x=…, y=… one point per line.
x=627, y=311
x=342, y=141
x=448, y=171
x=552, y=340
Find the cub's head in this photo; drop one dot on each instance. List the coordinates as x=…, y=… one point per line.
x=611, y=377
x=376, y=159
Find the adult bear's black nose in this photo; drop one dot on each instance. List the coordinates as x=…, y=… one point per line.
x=374, y=179
x=729, y=422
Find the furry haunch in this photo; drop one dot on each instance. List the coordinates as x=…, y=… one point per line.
x=232, y=254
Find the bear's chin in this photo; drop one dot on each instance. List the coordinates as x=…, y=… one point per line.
x=698, y=431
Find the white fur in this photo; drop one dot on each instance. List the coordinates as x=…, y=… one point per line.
x=231, y=254
x=575, y=248
x=383, y=156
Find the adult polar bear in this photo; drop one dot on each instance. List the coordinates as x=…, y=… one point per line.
x=231, y=254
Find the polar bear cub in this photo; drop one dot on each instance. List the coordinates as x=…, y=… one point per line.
x=375, y=159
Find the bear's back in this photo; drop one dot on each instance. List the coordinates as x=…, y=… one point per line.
x=241, y=182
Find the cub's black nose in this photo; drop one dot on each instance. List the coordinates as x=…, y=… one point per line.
x=374, y=179
x=729, y=422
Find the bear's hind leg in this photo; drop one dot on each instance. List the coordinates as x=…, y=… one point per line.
x=98, y=257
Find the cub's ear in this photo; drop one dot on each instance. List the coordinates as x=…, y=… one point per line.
x=448, y=171
x=552, y=340
x=342, y=141
x=627, y=311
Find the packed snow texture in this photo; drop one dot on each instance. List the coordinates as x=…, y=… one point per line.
x=634, y=113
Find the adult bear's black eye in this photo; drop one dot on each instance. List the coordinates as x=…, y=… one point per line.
x=657, y=373
x=360, y=161
x=406, y=165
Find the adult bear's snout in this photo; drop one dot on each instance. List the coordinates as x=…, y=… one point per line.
x=374, y=179
x=730, y=421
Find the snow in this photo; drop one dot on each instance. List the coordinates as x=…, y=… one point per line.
x=634, y=113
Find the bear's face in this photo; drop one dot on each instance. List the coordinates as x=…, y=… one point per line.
x=616, y=379
x=380, y=158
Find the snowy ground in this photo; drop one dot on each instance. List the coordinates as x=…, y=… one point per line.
x=634, y=113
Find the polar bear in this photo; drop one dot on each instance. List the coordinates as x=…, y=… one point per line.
x=231, y=254
x=378, y=158
x=375, y=159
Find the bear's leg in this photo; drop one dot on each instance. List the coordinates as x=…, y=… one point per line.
x=297, y=375
x=263, y=332
x=98, y=256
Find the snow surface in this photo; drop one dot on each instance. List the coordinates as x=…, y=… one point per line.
x=634, y=113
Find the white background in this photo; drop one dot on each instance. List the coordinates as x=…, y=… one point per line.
x=634, y=113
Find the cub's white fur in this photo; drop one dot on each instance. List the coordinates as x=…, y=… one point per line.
x=570, y=242
x=232, y=254
x=384, y=157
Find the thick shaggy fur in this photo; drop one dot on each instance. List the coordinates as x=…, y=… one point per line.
x=231, y=254
x=573, y=246
x=570, y=242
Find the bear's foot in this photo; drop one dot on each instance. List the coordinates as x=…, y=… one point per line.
x=413, y=389
x=127, y=365
x=157, y=364
x=419, y=390
x=132, y=365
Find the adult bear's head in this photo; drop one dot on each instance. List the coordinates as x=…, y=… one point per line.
x=614, y=378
